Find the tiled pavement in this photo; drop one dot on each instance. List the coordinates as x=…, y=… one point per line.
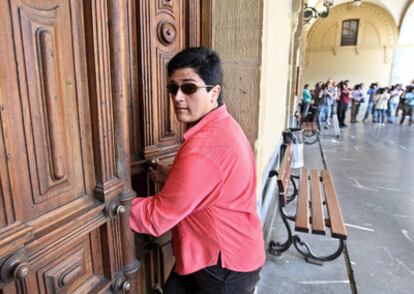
x=373, y=172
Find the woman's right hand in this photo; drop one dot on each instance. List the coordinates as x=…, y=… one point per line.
x=159, y=172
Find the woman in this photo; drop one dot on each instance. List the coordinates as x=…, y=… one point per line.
x=371, y=102
x=306, y=100
x=328, y=94
x=393, y=103
x=409, y=101
x=344, y=100
x=381, y=105
x=357, y=99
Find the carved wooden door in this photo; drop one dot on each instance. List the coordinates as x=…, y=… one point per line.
x=64, y=183
x=159, y=29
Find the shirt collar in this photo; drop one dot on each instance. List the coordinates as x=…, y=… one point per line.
x=217, y=114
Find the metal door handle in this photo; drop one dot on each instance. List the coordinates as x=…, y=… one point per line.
x=14, y=268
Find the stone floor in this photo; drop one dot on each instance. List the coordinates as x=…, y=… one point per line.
x=373, y=172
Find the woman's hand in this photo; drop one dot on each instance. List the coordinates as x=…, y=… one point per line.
x=159, y=172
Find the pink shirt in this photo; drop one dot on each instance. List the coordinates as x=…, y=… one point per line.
x=344, y=97
x=208, y=200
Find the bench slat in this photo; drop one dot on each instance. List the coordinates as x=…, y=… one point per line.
x=338, y=229
x=318, y=221
x=284, y=173
x=302, y=210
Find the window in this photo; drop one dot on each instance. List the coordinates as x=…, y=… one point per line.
x=349, y=34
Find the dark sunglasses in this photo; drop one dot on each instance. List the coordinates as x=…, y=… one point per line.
x=187, y=88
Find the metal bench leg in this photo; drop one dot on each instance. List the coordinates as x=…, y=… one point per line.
x=292, y=197
x=277, y=248
x=310, y=137
x=304, y=249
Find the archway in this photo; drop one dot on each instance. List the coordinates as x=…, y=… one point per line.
x=367, y=59
x=402, y=69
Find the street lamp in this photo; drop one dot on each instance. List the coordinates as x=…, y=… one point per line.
x=310, y=12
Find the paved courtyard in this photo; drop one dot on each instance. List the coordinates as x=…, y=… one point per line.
x=373, y=171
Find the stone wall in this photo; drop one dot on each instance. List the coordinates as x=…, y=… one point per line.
x=236, y=36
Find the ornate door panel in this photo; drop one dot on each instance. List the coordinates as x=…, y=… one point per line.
x=49, y=110
x=158, y=30
x=60, y=194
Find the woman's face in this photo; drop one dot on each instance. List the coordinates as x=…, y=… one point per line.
x=192, y=107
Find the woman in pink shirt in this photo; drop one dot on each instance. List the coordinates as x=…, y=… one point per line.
x=208, y=200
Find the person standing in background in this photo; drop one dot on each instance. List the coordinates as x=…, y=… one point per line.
x=357, y=99
x=401, y=93
x=326, y=102
x=393, y=102
x=381, y=105
x=335, y=97
x=315, y=104
x=306, y=100
x=371, y=102
x=344, y=100
x=409, y=101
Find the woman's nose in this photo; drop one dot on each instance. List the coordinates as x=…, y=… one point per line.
x=179, y=96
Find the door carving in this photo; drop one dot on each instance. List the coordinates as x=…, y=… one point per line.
x=83, y=106
x=63, y=197
x=159, y=29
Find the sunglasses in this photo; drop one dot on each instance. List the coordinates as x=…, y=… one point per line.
x=187, y=88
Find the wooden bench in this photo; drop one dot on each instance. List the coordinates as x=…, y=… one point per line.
x=317, y=209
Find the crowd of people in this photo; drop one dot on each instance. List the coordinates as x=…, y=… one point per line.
x=384, y=104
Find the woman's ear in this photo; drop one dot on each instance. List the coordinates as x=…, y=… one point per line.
x=215, y=92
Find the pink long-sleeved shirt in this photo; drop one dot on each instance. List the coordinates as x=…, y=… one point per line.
x=208, y=200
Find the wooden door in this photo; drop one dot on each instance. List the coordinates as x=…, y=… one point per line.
x=158, y=30
x=64, y=152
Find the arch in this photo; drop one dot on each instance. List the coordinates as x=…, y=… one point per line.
x=407, y=7
x=368, y=12
x=395, y=8
x=407, y=27
x=328, y=35
x=403, y=62
x=370, y=59
x=371, y=33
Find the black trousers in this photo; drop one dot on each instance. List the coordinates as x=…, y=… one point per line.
x=213, y=280
x=342, y=108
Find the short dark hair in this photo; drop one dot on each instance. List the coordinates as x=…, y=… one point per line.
x=204, y=61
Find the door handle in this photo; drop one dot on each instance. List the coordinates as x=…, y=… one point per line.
x=14, y=268
x=114, y=209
